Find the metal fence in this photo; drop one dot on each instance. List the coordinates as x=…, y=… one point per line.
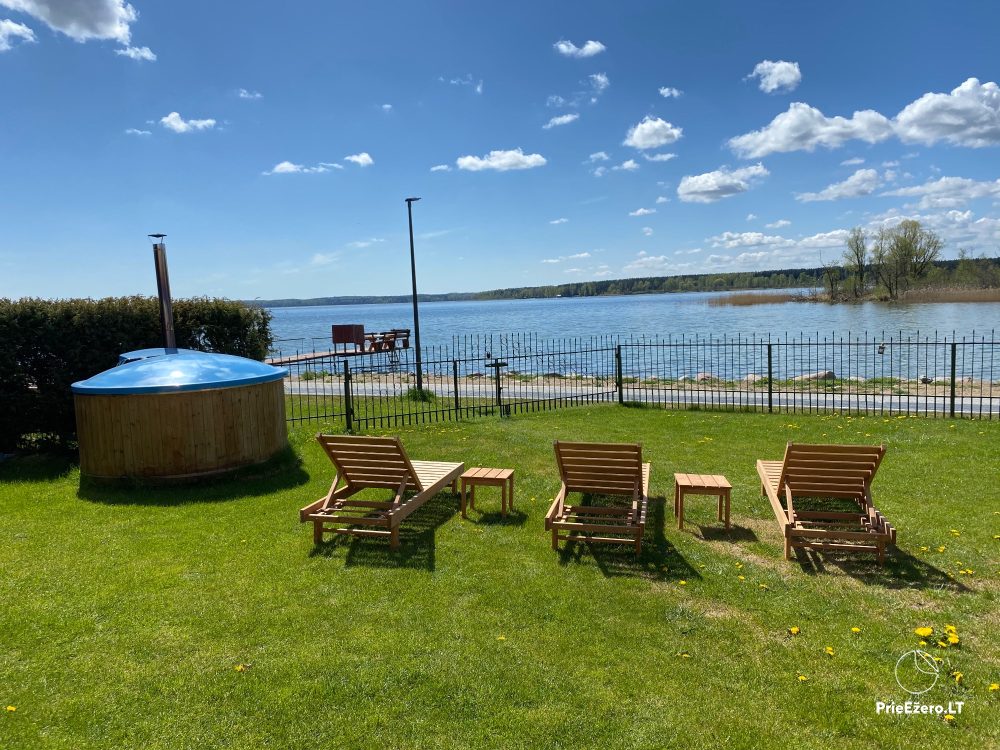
x=503, y=375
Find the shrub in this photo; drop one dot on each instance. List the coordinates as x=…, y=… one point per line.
x=46, y=345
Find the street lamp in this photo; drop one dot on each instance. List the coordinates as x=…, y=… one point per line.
x=416, y=314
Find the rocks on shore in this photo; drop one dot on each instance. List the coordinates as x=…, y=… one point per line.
x=818, y=375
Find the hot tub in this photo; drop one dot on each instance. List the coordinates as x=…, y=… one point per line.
x=180, y=415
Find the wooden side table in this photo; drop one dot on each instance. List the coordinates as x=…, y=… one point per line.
x=701, y=484
x=502, y=478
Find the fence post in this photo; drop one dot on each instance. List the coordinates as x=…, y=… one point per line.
x=770, y=380
x=348, y=405
x=951, y=401
x=454, y=371
x=618, y=373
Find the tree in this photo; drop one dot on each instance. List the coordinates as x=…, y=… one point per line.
x=902, y=255
x=856, y=260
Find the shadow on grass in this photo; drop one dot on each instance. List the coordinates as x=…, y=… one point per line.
x=494, y=518
x=902, y=570
x=37, y=467
x=659, y=560
x=416, y=539
x=282, y=472
x=735, y=535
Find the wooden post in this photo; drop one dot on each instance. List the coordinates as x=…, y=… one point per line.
x=348, y=405
x=951, y=401
x=618, y=373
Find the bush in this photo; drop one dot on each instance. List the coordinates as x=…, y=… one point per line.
x=45, y=346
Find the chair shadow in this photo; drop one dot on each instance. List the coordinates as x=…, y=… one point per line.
x=416, y=540
x=283, y=472
x=902, y=570
x=735, y=535
x=495, y=518
x=658, y=561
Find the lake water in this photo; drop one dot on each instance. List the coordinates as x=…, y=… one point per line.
x=308, y=328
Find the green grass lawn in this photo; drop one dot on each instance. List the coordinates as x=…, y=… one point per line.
x=124, y=613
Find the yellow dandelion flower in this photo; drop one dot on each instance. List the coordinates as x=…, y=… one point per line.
x=802, y=678
x=922, y=643
x=953, y=639
x=958, y=677
x=924, y=549
x=955, y=532
x=855, y=630
x=240, y=668
x=763, y=586
x=828, y=650
x=682, y=583
x=996, y=536
x=942, y=644
x=937, y=659
x=994, y=687
x=923, y=631
x=950, y=629
x=684, y=655
x=942, y=548
x=794, y=630
x=949, y=717
x=742, y=578
x=12, y=709
x=501, y=638
x=739, y=565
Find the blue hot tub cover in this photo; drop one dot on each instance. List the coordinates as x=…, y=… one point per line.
x=173, y=373
x=125, y=357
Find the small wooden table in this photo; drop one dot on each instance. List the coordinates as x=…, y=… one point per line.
x=502, y=478
x=700, y=484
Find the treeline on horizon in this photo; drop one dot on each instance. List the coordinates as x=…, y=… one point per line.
x=708, y=282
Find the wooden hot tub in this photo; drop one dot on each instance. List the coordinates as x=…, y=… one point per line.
x=179, y=415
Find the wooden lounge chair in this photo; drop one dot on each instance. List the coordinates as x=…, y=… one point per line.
x=827, y=471
x=374, y=462
x=600, y=469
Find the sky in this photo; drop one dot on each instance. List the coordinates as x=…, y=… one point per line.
x=548, y=142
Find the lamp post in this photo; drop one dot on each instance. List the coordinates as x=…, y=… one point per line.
x=416, y=314
x=163, y=291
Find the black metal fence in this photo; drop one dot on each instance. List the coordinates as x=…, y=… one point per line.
x=503, y=375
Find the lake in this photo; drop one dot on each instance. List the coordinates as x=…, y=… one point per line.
x=308, y=328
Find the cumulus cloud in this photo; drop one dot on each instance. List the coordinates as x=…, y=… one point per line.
x=646, y=262
x=137, y=131
x=642, y=212
x=501, y=161
x=662, y=199
x=778, y=224
x=589, y=48
x=178, y=124
x=10, y=30
x=288, y=167
x=137, y=53
x=248, y=94
x=722, y=183
x=560, y=120
x=751, y=217
x=668, y=92
x=362, y=160
x=599, y=82
x=559, y=221
x=647, y=231
x=652, y=132
x=629, y=165
x=659, y=157
x=776, y=75
x=81, y=20
x=598, y=156
x=730, y=240
x=949, y=192
x=803, y=128
x=862, y=182
x=440, y=168
x=968, y=116
x=561, y=258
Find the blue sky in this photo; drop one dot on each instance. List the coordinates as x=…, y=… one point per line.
x=275, y=145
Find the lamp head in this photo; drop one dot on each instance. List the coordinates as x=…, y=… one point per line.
x=411, y=200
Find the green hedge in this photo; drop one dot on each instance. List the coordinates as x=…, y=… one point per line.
x=46, y=345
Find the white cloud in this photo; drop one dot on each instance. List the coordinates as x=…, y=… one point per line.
x=779, y=75
x=599, y=82
x=652, y=132
x=560, y=120
x=81, y=19
x=386, y=108
x=862, y=182
x=501, y=161
x=751, y=217
x=668, y=91
x=642, y=212
x=248, y=94
x=730, y=240
x=362, y=160
x=324, y=259
x=12, y=30
x=561, y=258
x=803, y=128
x=137, y=53
x=949, y=192
x=778, y=224
x=646, y=262
x=722, y=183
x=136, y=131
x=440, y=168
x=968, y=116
x=287, y=167
x=559, y=221
x=663, y=199
x=852, y=162
x=178, y=124
x=554, y=100
x=659, y=157
x=589, y=48
x=598, y=171
x=467, y=80
x=599, y=156
x=647, y=231
x=890, y=164
x=629, y=165
x=359, y=244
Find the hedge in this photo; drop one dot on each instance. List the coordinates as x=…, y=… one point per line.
x=46, y=345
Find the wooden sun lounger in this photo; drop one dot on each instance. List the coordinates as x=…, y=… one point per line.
x=374, y=462
x=827, y=471
x=600, y=469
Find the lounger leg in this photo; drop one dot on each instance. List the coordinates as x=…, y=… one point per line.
x=638, y=542
x=881, y=555
x=555, y=538
x=394, y=538
x=317, y=532
x=788, y=548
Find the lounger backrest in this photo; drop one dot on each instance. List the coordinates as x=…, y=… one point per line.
x=370, y=461
x=600, y=468
x=829, y=470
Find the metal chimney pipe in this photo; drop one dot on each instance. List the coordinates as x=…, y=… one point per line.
x=163, y=291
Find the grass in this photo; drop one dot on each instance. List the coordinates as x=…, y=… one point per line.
x=126, y=611
x=744, y=299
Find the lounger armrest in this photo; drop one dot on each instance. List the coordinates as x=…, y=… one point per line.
x=555, y=510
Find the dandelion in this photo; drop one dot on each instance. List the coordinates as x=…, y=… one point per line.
x=958, y=677
x=240, y=667
x=923, y=631
x=739, y=565
x=922, y=643
x=953, y=639
x=950, y=629
x=742, y=578
x=955, y=532
x=682, y=583
x=993, y=688
x=802, y=678
x=684, y=655
x=828, y=650
x=942, y=644
x=949, y=718
x=12, y=709
x=942, y=548
x=794, y=630
x=924, y=549
x=855, y=630
x=501, y=638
